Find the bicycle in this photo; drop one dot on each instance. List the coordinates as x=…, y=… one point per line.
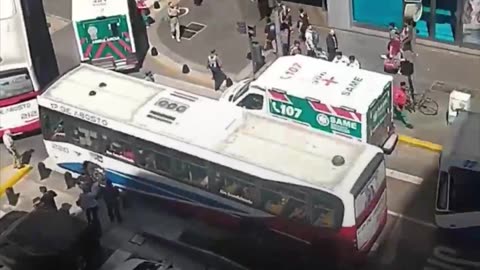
x=422, y=103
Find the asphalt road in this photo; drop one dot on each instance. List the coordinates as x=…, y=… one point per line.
x=61, y=8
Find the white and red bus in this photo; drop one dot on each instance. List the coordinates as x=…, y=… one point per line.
x=27, y=63
x=216, y=161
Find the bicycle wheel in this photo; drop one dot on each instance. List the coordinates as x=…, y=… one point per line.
x=428, y=107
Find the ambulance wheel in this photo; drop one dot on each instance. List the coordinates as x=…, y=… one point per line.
x=95, y=172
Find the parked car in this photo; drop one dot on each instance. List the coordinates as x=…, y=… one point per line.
x=141, y=264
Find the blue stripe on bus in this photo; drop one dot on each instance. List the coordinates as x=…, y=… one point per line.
x=141, y=184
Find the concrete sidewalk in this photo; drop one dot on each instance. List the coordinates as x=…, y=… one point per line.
x=218, y=32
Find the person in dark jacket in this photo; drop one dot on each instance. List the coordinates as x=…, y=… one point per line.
x=332, y=45
x=215, y=66
x=111, y=196
x=47, y=200
x=264, y=9
x=303, y=23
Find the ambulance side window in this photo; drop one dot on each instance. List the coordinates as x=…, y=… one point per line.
x=252, y=102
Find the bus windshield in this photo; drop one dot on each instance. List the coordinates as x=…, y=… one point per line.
x=465, y=190
x=14, y=83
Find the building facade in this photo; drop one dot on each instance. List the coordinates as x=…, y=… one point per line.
x=455, y=22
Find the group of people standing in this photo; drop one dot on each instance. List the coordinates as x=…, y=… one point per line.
x=306, y=35
x=92, y=192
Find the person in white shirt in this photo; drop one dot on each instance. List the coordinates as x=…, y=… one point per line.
x=10, y=145
x=173, y=14
x=88, y=202
x=353, y=62
x=311, y=41
x=340, y=59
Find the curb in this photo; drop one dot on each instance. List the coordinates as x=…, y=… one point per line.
x=17, y=176
x=420, y=143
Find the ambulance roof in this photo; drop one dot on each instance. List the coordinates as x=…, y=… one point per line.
x=216, y=131
x=14, y=52
x=465, y=140
x=329, y=83
x=91, y=9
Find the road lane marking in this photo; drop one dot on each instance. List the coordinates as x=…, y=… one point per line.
x=413, y=220
x=405, y=177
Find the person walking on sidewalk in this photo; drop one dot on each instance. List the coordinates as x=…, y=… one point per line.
x=215, y=66
x=47, y=200
x=285, y=38
x=408, y=36
x=311, y=41
x=303, y=23
x=10, y=145
x=270, y=36
x=111, y=197
x=332, y=45
x=88, y=202
x=173, y=13
x=286, y=16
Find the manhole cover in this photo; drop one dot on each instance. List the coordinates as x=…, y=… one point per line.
x=197, y=27
x=187, y=34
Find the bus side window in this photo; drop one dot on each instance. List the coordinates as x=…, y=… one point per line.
x=153, y=161
x=121, y=150
x=86, y=138
x=53, y=126
x=273, y=202
x=235, y=187
x=189, y=169
x=322, y=214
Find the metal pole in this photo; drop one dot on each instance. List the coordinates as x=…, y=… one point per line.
x=278, y=39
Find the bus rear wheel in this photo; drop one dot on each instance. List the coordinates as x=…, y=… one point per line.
x=95, y=172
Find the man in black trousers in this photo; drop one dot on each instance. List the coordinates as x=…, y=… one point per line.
x=332, y=45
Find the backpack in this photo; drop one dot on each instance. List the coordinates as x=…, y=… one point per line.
x=390, y=66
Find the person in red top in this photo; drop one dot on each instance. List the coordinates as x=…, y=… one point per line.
x=400, y=100
x=394, y=47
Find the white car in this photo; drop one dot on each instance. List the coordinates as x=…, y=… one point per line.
x=140, y=264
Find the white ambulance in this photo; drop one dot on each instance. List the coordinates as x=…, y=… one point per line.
x=333, y=98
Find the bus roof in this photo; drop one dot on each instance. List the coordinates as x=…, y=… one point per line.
x=14, y=51
x=330, y=83
x=87, y=10
x=464, y=142
x=290, y=153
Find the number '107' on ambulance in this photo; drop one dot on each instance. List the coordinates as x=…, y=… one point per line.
x=325, y=96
